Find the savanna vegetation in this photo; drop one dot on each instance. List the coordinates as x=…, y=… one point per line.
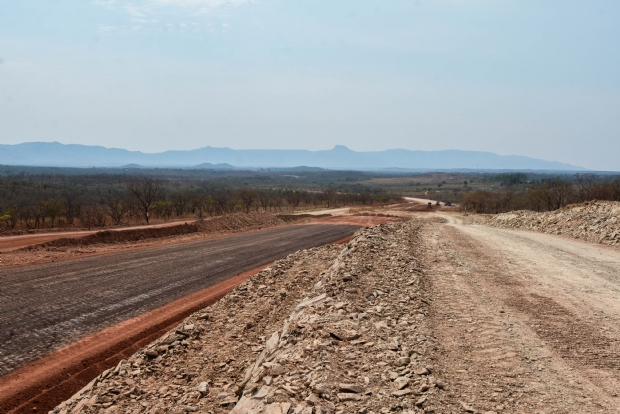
x=42, y=198
x=546, y=194
x=36, y=198
x=488, y=192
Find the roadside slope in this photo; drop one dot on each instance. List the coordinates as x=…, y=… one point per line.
x=595, y=221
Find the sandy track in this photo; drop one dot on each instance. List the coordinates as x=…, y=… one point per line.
x=50, y=305
x=526, y=322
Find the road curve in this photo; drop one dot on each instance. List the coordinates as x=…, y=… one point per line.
x=49, y=305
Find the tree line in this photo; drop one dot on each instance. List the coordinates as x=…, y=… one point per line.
x=542, y=195
x=94, y=201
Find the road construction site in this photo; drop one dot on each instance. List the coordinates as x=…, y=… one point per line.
x=441, y=313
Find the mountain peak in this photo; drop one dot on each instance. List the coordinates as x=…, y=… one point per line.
x=340, y=148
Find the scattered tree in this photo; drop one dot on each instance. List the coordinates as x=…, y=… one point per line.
x=145, y=191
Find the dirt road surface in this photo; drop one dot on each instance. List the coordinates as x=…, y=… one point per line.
x=419, y=200
x=525, y=322
x=332, y=211
x=50, y=305
x=9, y=243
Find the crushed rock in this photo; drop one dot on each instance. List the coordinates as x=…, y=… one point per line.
x=595, y=221
x=358, y=343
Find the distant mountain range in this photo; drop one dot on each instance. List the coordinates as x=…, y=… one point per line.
x=55, y=154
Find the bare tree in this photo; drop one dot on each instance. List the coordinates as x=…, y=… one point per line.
x=585, y=184
x=54, y=207
x=72, y=206
x=117, y=210
x=133, y=209
x=264, y=198
x=317, y=199
x=555, y=193
x=180, y=202
x=276, y=202
x=198, y=207
x=247, y=197
x=42, y=213
x=330, y=197
x=99, y=215
x=87, y=216
x=145, y=191
x=293, y=198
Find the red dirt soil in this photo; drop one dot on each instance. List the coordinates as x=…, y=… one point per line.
x=43, y=384
x=8, y=243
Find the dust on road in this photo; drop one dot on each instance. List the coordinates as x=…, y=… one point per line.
x=527, y=322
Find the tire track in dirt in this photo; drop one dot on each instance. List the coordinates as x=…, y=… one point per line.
x=500, y=339
x=567, y=323
x=573, y=338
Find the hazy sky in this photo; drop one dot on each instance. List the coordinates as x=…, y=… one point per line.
x=525, y=77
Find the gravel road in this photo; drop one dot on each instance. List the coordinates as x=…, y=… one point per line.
x=50, y=305
x=526, y=322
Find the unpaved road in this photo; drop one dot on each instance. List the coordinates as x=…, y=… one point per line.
x=8, y=243
x=526, y=322
x=49, y=305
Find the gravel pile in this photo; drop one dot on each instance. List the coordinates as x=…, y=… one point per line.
x=596, y=221
x=358, y=343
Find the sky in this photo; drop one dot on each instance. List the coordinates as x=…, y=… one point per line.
x=514, y=77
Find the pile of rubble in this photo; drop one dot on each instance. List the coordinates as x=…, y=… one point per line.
x=358, y=343
x=328, y=330
x=596, y=221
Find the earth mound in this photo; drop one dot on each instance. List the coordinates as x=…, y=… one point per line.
x=594, y=221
